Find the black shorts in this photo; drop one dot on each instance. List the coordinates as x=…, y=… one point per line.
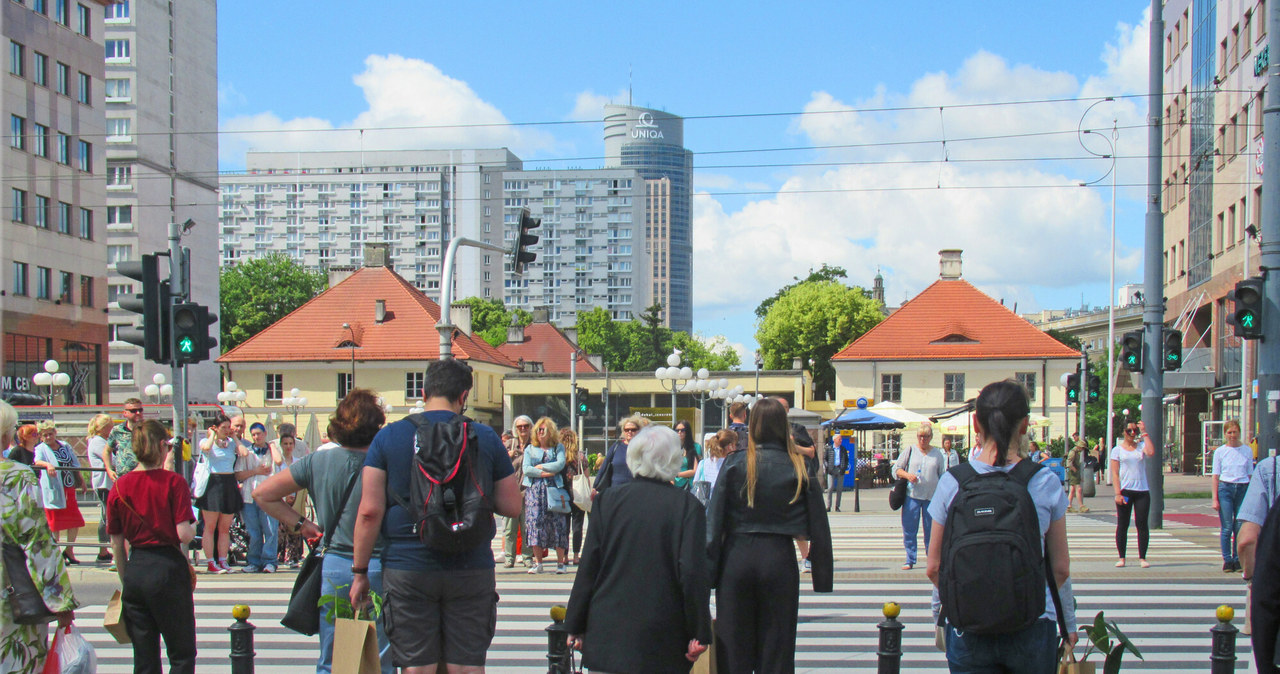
x=439, y=616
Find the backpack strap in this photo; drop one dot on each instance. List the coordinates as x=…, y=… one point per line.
x=963, y=473
x=1024, y=470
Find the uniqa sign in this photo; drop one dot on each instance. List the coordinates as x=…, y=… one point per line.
x=646, y=128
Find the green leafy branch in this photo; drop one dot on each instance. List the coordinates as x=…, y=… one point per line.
x=1100, y=634
x=341, y=603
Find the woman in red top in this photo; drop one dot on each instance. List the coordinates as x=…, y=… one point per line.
x=150, y=507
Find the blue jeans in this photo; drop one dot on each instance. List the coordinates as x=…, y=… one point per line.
x=1031, y=651
x=913, y=511
x=264, y=533
x=1230, y=497
x=336, y=573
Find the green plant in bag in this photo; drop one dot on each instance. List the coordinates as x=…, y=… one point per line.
x=341, y=604
x=1100, y=634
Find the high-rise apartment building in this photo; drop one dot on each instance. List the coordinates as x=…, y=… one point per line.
x=161, y=147
x=53, y=250
x=591, y=248
x=1214, y=73
x=320, y=208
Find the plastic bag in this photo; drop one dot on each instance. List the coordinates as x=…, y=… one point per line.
x=70, y=653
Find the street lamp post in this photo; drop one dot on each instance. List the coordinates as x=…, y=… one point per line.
x=348, y=328
x=671, y=378
x=295, y=403
x=51, y=378
x=759, y=365
x=232, y=394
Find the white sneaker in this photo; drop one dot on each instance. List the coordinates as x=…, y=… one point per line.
x=561, y=570
x=535, y=568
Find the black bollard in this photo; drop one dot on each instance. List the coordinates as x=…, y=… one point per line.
x=890, y=651
x=1223, y=660
x=559, y=655
x=241, y=641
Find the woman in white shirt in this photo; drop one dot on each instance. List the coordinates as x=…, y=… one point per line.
x=1129, y=477
x=1232, y=468
x=99, y=427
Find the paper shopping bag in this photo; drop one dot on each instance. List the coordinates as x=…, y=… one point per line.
x=113, y=619
x=1068, y=665
x=355, y=647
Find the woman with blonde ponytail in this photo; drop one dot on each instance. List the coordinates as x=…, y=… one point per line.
x=764, y=499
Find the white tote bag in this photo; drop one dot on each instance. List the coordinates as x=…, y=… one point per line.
x=200, y=477
x=581, y=487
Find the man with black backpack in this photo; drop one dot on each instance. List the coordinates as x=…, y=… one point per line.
x=438, y=478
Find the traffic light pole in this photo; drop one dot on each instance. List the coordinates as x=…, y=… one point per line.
x=1084, y=390
x=178, y=282
x=1153, y=270
x=1269, y=352
x=445, y=325
x=573, y=392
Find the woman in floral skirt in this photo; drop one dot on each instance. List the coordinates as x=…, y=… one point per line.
x=543, y=464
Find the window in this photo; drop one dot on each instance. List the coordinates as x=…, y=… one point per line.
x=1028, y=381
x=17, y=132
x=41, y=6
x=953, y=388
x=64, y=217
x=61, y=13
x=86, y=224
x=84, y=155
x=117, y=290
x=345, y=383
x=85, y=94
x=62, y=149
x=44, y=281
x=84, y=20
x=19, y=212
x=120, y=373
x=119, y=217
x=118, y=130
x=86, y=291
x=117, y=89
x=117, y=50
x=62, y=78
x=118, y=12
x=275, y=387
x=415, y=384
x=40, y=69
x=118, y=253
x=65, y=281
x=119, y=175
x=20, y=279
x=42, y=212
x=40, y=140
x=891, y=388
x=16, y=57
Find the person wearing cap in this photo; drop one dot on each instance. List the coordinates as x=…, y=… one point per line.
x=1074, y=491
x=67, y=518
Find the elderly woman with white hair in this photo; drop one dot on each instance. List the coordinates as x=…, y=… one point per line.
x=640, y=602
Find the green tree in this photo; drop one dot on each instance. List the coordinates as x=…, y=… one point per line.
x=643, y=343
x=491, y=318
x=1066, y=338
x=261, y=291
x=814, y=320
x=824, y=273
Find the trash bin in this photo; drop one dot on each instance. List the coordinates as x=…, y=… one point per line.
x=1087, y=486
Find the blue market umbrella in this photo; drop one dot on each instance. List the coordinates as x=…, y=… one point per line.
x=864, y=420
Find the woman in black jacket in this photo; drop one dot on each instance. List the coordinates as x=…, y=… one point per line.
x=640, y=600
x=762, y=500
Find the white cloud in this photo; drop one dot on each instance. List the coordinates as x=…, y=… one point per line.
x=589, y=106
x=411, y=104
x=1021, y=221
x=716, y=343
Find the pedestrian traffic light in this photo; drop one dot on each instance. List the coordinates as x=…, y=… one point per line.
x=152, y=304
x=1095, y=388
x=1172, y=349
x=1073, y=388
x=190, y=326
x=520, y=256
x=581, y=394
x=1247, y=316
x=1131, y=350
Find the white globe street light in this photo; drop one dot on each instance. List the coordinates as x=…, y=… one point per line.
x=672, y=378
x=51, y=378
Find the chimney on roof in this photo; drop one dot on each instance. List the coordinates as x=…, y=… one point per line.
x=461, y=316
x=571, y=333
x=375, y=255
x=339, y=273
x=950, y=264
x=379, y=311
x=541, y=315
x=515, y=332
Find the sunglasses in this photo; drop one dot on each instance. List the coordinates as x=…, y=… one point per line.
x=523, y=427
x=682, y=430
x=133, y=411
x=630, y=430
x=1130, y=430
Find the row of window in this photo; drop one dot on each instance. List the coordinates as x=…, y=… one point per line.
x=953, y=389
x=39, y=72
x=414, y=385
x=62, y=13
x=41, y=214
x=41, y=141
x=44, y=285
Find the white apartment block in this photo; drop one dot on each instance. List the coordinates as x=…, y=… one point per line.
x=320, y=208
x=592, y=246
x=161, y=146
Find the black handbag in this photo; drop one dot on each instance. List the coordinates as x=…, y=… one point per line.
x=898, y=495
x=303, y=614
x=25, y=601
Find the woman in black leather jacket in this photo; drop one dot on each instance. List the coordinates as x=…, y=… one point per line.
x=763, y=499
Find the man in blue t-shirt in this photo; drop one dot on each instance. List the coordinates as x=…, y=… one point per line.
x=418, y=582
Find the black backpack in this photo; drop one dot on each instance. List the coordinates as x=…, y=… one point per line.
x=1264, y=604
x=993, y=571
x=451, y=489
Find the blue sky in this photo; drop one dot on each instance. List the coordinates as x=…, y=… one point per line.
x=1030, y=234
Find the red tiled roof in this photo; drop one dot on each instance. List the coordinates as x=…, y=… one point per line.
x=545, y=343
x=314, y=332
x=952, y=320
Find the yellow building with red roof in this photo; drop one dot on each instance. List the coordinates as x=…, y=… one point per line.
x=942, y=346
